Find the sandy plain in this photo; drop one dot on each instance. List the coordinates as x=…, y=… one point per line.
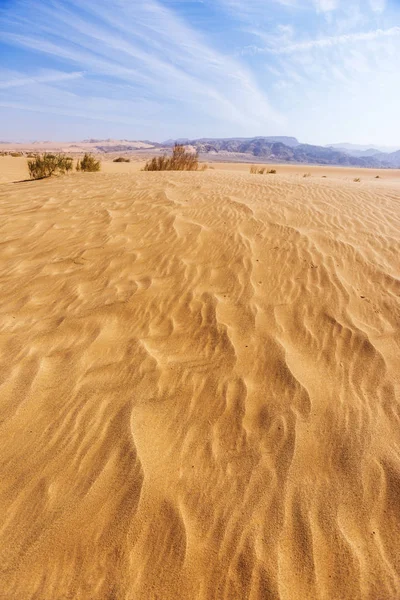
x=200, y=384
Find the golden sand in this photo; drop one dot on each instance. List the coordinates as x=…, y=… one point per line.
x=200, y=386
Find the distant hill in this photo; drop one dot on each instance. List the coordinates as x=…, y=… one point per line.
x=390, y=160
x=274, y=149
x=360, y=153
x=231, y=144
x=289, y=150
x=280, y=149
x=358, y=149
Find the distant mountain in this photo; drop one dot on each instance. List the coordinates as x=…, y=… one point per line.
x=280, y=149
x=274, y=149
x=267, y=148
x=357, y=149
x=228, y=144
x=357, y=153
x=172, y=142
x=390, y=160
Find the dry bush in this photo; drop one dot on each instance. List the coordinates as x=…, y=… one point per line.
x=253, y=169
x=88, y=164
x=16, y=154
x=357, y=179
x=378, y=177
x=272, y=172
x=121, y=159
x=181, y=160
x=261, y=171
x=307, y=175
x=46, y=165
x=31, y=155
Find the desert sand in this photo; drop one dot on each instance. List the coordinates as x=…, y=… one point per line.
x=200, y=385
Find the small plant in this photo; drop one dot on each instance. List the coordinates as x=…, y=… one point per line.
x=255, y=170
x=46, y=165
x=357, y=179
x=121, y=159
x=88, y=164
x=307, y=175
x=16, y=154
x=181, y=160
x=272, y=172
x=378, y=177
x=323, y=176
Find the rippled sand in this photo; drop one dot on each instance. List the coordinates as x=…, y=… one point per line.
x=200, y=387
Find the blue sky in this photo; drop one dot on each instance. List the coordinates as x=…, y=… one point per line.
x=324, y=71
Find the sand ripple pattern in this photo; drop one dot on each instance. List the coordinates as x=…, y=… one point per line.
x=200, y=388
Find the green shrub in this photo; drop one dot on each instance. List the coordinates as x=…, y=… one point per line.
x=121, y=159
x=181, y=160
x=46, y=165
x=88, y=164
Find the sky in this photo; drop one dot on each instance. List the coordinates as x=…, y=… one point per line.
x=325, y=71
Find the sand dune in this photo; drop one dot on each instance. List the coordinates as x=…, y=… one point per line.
x=200, y=387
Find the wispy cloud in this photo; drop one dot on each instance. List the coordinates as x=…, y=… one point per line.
x=147, y=46
x=175, y=67
x=56, y=77
x=327, y=42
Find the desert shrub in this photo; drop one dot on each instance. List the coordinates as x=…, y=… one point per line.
x=378, y=177
x=307, y=175
x=46, y=165
x=16, y=154
x=31, y=155
x=121, y=159
x=181, y=160
x=357, y=179
x=255, y=170
x=272, y=172
x=88, y=164
x=323, y=176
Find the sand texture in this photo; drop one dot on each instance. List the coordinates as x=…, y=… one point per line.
x=200, y=387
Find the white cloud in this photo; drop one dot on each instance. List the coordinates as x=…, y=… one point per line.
x=378, y=5
x=326, y=5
